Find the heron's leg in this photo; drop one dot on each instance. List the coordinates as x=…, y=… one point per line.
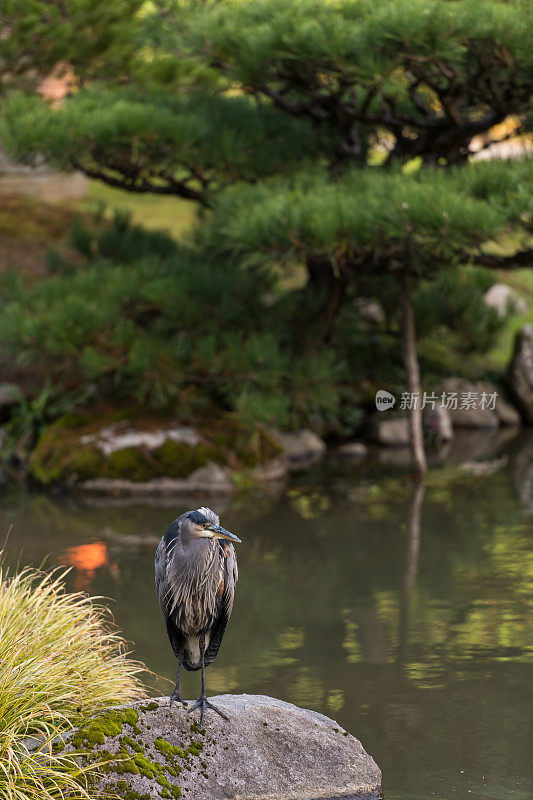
x=202, y=701
x=176, y=693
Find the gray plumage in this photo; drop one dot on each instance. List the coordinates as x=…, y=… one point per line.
x=195, y=575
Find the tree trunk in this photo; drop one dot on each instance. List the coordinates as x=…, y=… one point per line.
x=327, y=290
x=413, y=376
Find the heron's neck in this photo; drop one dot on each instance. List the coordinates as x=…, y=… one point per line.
x=201, y=548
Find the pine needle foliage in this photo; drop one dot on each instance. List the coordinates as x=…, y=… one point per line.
x=179, y=333
x=375, y=221
x=92, y=36
x=429, y=75
x=60, y=661
x=142, y=141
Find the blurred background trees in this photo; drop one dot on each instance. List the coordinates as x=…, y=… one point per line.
x=329, y=149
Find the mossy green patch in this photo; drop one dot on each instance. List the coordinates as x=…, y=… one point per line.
x=153, y=706
x=58, y=456
x=67, y=450
x=127, y=741
x=249, y=446
x=110, y=723
x=132, y=463
x=167, y=749
x=177, y=459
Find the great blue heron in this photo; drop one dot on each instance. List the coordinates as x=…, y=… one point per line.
x=195, y=577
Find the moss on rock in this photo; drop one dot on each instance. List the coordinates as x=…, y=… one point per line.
x=177, y=459
x=69, y=452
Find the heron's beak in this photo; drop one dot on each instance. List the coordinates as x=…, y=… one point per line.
x=221, y=533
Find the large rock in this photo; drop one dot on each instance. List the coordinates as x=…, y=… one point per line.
x=302, y=448
x=211, y=479
x=153, y=456
x=522, y=472
x=392, y=431
x=112, y=438
x=268, y=750
x=521, y=372
x=505, y=300
x=478, y=404
x=40, y=183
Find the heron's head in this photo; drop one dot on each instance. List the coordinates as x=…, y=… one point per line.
x=203, y=524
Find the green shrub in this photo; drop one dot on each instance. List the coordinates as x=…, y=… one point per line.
x=146, y=321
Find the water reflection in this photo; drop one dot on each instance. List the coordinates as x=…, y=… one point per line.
x=402, y=611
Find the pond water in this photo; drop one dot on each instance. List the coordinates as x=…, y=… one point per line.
x=401, y=612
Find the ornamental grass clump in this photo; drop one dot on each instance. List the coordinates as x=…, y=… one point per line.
x=60, y=661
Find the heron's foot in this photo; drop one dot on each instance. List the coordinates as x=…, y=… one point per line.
x=204, y=703
x=176, y=696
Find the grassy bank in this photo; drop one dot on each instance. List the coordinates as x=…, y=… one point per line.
x=60, y=661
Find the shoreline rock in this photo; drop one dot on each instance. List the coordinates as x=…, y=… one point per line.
x=520, y=373
x=143, y=456
x=268, y=750
x=211, y=479
x=302, y=449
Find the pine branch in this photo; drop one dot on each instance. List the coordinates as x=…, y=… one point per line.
x=522, y=259
x=171, y=187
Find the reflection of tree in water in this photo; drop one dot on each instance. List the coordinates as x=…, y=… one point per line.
x=411, y=562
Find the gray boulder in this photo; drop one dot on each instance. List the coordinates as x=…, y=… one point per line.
x=302, y=448
x=505, y=411
x=114, y=437
x=273, y=471
x=269, y=750
x=480, y=411
x=392, y=431
x=211, y=479
x=505, y=300
x=521, y=372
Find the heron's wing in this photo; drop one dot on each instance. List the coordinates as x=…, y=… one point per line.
x=160, y=564
x=226, y=594
x=162, y=586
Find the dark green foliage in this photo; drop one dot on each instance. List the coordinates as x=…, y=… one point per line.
x=224, y=92
x=149, y=142
x=121, y=241
x=93, y=36
x=430, y=74
x=180, y=333
x=455, y=301
x=373, y=221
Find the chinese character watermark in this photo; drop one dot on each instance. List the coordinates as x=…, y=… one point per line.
x=451, y=401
